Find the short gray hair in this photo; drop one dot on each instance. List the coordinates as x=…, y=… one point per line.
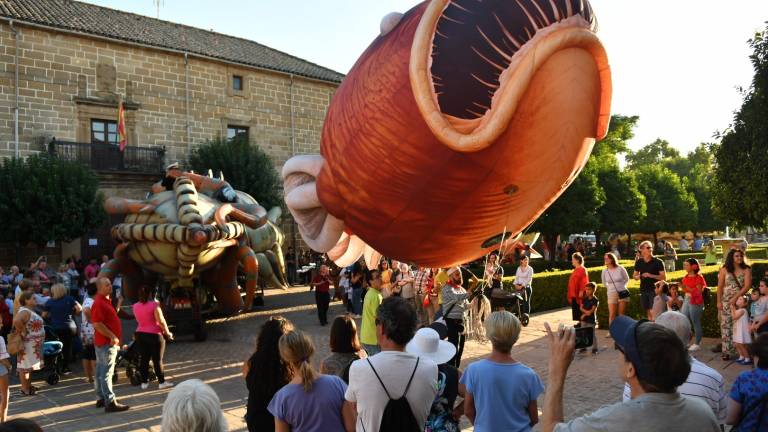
x=193, y=406
x=678, y=323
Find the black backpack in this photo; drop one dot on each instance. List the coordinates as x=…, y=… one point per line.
x=397, y=416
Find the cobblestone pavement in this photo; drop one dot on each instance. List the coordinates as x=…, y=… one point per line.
x=592, y=380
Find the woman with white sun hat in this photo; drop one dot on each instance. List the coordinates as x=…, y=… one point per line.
x=428, y=343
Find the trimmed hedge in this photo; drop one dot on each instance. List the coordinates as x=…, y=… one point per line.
x=550, y=291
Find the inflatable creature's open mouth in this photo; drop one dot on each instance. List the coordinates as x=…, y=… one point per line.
x=471, y=61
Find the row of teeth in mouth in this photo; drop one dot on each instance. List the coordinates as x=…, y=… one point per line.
x=509, y=44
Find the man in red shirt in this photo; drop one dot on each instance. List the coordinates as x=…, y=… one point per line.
x=106, y=340
x=322, y=285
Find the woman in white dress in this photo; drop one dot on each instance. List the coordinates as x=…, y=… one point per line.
x=31, y=326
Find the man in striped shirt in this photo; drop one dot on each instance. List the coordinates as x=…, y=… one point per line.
x=703, y=382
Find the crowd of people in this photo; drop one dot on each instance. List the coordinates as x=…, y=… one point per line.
x=54, y=317
x=401, y=367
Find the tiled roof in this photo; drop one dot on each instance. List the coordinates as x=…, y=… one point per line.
x=125, y=26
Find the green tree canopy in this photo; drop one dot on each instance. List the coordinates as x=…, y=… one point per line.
x=575, y=210
x=670, y=207
x=245, y=167
x=740, y=177
x=46, y=198
x=616, y=141
x=624, y=205
x=659, y=151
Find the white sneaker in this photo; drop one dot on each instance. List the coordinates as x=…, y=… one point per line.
x=144, y=386
x=165, y=385
x=693, y=348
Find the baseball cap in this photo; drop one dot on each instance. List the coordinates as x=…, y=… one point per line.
x=624, y=333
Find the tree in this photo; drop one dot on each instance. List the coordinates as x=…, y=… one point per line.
x=670, y=207
x=245, y=167
x=739, y=192
x=620, y=131
x=654, y=153
x=624, y=204
x=46, y=198
x=574, y=211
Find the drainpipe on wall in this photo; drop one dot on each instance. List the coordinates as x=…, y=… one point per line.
x=16, y=90
x=186, y=102
x=293, y=153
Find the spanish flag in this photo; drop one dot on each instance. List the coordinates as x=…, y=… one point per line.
x=122, y=135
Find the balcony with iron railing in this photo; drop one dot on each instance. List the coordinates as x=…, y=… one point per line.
x=108, y=158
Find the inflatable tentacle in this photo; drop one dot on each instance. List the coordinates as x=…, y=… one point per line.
x=320, y=230
x=117, y=206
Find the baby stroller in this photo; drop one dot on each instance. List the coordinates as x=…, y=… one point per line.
x=52, y=355
x=129, y=354
x=515, y=302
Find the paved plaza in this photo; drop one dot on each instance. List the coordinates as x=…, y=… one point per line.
x=592, y=380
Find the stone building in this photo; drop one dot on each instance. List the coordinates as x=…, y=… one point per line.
x=64, y=65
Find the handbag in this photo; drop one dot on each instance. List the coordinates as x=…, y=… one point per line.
x=622, y=293
x=15, y=342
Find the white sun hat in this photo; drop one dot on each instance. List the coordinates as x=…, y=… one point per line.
x=427, y=344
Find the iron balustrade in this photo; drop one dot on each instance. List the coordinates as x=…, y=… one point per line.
x=108, y=157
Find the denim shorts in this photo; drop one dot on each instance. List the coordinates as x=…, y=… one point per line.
x=3, y=370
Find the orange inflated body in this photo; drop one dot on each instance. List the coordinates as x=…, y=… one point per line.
x=413, y=169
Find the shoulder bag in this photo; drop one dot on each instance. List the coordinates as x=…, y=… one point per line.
x=622, y=293
x=15, y=342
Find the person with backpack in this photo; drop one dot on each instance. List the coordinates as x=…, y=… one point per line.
x=393, y=390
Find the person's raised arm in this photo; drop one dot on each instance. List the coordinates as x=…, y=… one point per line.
x=561, y=346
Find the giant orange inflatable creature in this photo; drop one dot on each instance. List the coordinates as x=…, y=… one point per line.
x=459, y=125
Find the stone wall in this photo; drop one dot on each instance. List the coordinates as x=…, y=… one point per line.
x=65, y=80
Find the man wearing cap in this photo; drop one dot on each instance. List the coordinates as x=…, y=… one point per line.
x=703, y=382
x=654, y=363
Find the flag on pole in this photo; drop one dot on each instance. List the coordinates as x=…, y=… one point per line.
x=122, y=135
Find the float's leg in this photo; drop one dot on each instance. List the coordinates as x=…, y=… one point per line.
x=250, y=266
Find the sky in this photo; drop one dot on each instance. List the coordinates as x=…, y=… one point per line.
x=677, y=64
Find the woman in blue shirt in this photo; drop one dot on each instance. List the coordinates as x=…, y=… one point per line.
x=501, y=393
x=59, y=311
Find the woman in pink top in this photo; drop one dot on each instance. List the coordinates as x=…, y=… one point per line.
x=150, y=336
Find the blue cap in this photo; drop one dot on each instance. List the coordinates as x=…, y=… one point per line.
x=624, y=332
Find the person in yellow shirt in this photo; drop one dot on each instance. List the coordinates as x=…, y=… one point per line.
x=440, y=280
x=373, y=299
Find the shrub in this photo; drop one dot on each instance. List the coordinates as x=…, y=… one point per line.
x=550, y=291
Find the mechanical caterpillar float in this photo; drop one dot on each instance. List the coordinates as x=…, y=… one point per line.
x=194, y=232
